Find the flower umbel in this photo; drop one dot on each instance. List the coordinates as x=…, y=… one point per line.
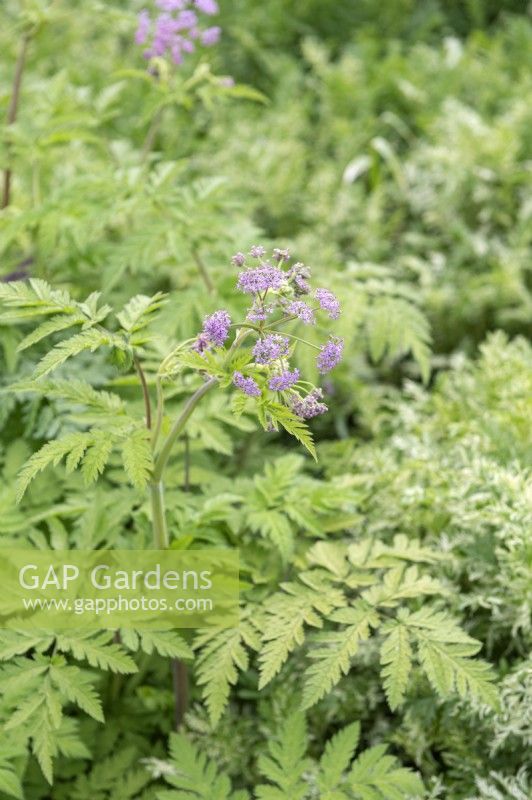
x=263, y=371
x=309, y=406
x=246, y=385
x=270, y=348
x=216, y=327
x=261, y=279
x=176, y=30
x=283, y=381
x=328, y=302
x=330, y=355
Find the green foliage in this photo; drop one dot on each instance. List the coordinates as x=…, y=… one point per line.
x=388, y=146
x=290, y=772
x=194, y=776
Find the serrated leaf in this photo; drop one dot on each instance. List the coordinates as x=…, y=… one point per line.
x=137, y=458
x=396, y=660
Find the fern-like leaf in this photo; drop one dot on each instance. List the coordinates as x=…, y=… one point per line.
x=333, y=652
x=396, y=660
x=376, y=776
x=137, y=458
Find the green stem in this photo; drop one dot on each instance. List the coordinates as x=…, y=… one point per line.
x=158, y=415
x=13, y=110
x=177, y=428
x=303, y=341
x=153, y=130
x=145, y=391
x=160, y=531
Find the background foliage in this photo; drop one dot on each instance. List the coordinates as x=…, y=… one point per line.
x=389, y=146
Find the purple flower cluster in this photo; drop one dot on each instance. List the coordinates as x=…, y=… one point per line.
x=216, y=327
x=177, y=28
x=309, y=406
x=271, y=348
x=299, y=309
x=246, y=385
x=281, y=255
x=330, y=354
x=276, y=298
x=261, y=279
x=283, y=381
x=299, y=276
x=215, y=331
x=259, y=312
x=328, y=302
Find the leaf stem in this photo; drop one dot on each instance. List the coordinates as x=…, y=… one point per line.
x=13, y=110
x=153, y=130
x=145, y=390
x=158, y=414
x=303, y=341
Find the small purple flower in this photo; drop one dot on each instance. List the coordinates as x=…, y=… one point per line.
x=211, y=36
x=144, y=27
x=299, y=275
x=281, y=255
x=309, y=406
x=207, y=6
x=246, y=385
x=259, y=312
x=283, y=381
x=227, y=82
x=302, y=311
x=201, y=344
x=330, y=354
x=257, y=251
x=260, y=279
x=328, y=302
x=186, y=19
x=216, y=327
x=270, y=348
x=239, y=259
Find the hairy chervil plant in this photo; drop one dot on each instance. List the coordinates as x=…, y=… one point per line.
x=251, y=357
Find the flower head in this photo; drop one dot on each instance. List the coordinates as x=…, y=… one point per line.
x=143, y=29
x=299, y=276
x=176, y=27
x=216, y=327
x=283, y=381
x=201, y=344
x=302, y=311
x=309, y=406
x=246, y=385
x=239, y=259
x=257, y=251
x=330, y=354
x=207, y=6
x=328, y=302
x=280, y=255
x=271, y=348
x=260, y=279
x=211, y=36
x=260, y=312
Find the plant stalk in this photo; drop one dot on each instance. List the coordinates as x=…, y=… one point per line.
x=177, y=428
x=153, y=130
x=13, y=111
x=160, y=531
